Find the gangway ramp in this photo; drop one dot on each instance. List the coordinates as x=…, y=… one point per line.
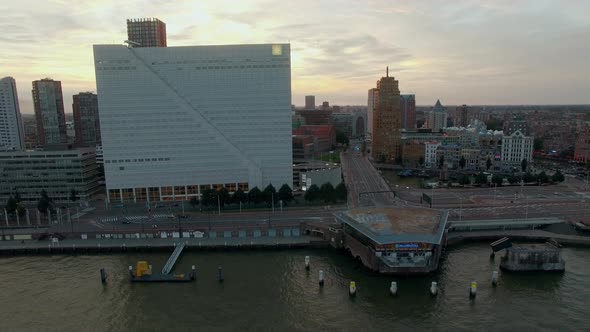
x=173, y=258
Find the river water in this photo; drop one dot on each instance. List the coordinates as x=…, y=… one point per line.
x=271, y=290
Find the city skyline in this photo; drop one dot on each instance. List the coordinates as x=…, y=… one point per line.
x=468, y=52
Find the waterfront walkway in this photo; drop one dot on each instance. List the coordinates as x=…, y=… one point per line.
x=526, y=235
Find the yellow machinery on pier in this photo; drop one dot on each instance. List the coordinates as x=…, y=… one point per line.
x=142, y=269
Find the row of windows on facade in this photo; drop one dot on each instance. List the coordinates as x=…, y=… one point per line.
x=136, y=160
x=171, y=191
x=201, y=68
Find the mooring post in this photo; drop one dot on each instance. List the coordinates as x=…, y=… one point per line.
x=495, y=278
x=321, y=278
x=103, y=275
x=393, y=288
x=473, y=289
x=307, y=262
x=193, y=272
x=434, y=288
x=352, y=288
x=220, y=274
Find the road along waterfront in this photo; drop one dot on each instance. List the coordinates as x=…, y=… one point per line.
x=271, y=290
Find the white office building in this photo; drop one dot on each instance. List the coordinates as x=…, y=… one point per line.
x=515, y=148
x=430, y=148
x=178, y=120
x=12, y=135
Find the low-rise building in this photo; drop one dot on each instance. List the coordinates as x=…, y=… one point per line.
x=412, y=153
x=430, y=148
x=325, y=136
x=395, y=240
x=56, y=172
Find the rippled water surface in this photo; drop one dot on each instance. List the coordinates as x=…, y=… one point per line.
x=271, y=290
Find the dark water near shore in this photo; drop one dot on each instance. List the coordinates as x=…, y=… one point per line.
x=266, y=290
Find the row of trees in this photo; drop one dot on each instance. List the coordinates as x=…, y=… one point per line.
x=528, y=177
x=326, y=193
x=45, y=204
x=211, y=197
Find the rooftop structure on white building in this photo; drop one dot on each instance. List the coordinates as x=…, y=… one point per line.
x=178, y=120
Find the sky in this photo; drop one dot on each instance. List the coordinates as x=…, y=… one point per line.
x=458, y=51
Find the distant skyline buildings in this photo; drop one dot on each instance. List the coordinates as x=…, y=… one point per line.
x=146, y=32
x=437, y=117
x=408, y=110
x=49, y=112
x=310, y=102
x=86, y=120
x=333, y=64
x=12, y=136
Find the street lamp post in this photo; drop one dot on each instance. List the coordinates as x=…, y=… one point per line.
x=526, y=214
x=461, y=209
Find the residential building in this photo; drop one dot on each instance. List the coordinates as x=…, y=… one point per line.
x=412, y=153
x=430, y=158
x=515, y=148
x=351, y=124
x=146, y=32
x=86, y=121
x=451, y=154
x=178, y=120
x=12, y=132
x=582, y=147
x=49, y=112
x=56, y=172
x=310, y=102
x=408, y=109
x=461, y=118
x=437, y=118
x=386, y=136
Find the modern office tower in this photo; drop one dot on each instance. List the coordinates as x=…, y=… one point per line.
x=373, y=94
x=437, y=118
x=12, y=132
x=49, y=112
x=178, y=120
x=386, y=121
x=56, y=172
x=146, y=32
x=461, y=117
x=310, y=102
x=86, y=121
x=408, y=109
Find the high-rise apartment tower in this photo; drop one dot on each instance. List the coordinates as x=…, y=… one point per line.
x=12, y=135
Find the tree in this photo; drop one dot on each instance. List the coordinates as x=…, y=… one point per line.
x=462, y=162
x=441, y=161
x=239, y=196
x=528, y=177
x=224, y=197
x=538, y=144
x=45, y=203
x=421, y=161
x=513, y=179
x=341, y=191
x=542, y=177
x=11, y=204
x=255, y=196
x=194, y=201
x=481, y=179
x=312, y=194
x=464, y=180
x=73, y=195
x=523, y=165
x=558, y=177
x=269, y=193
x=497, y=179
x=209, y=197
x=488, y=163
x=341, y=137
x=285, y=193
x=327, y=193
